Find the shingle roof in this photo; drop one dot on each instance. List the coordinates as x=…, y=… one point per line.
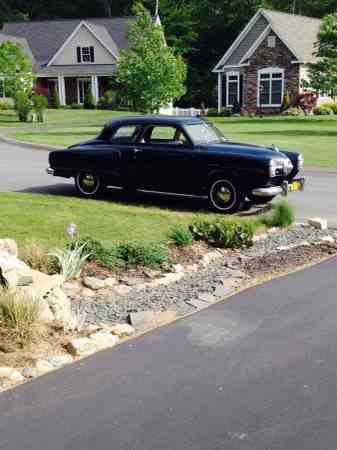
x=46, y=37
x=299, y=32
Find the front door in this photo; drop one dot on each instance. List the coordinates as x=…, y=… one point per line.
x=83, y=85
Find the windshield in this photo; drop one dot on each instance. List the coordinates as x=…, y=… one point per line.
x=204, y=133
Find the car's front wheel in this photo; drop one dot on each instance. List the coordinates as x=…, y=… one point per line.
x=225, y=196
x=88, y=184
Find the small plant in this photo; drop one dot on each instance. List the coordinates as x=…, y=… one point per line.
x=56, y=103
x=281, y=215
x=107, y=257
x=40, y=104
x=323, y=110
x=71, y=260
x=332, y=106
x=35, y=257
x=89, y=102
x=5, y=105
x=181, y=236
x=23, y=106
x=139, y=254
x=20, y=314
x=293, y=111
x=224, y=233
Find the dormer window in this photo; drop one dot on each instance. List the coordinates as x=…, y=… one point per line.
x=85, y=54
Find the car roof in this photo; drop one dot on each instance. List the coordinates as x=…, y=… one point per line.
x=154, y=120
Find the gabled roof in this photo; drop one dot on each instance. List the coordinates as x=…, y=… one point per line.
x=45, y=38
x=298, y=33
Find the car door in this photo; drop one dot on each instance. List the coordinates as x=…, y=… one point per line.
x=165, y=160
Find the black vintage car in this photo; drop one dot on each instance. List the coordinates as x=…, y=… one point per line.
x=181, y=155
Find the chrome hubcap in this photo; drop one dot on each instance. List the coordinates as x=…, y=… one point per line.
x=88, y=181
x=223, y=194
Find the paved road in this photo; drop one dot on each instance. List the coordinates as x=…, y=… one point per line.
x=256, y=372
x=23, y=169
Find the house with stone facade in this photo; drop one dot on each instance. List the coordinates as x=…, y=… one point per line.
x=269, y=58
x=70, y=56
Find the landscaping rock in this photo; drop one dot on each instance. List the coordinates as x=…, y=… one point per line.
x=198, y=304
x=9, y=262
x=59, y=303
x=223, y=291
x=121, y=289
x=10, y=374
x=12, y=279
x=149, y=273
x=42, y=366
x=46, y=314
x=81, y=347
x=142, y=320
x=94, y=283
x=104, y=339
x=110, y=282
x=24, y=280
x=328, y=239
x=59, y=360
x=9, y=246
x=44, y=284
x=178, y=268
x=318, y=223
x=86, y=292
x=30, y=372
x=207, y=298
x=123, y=330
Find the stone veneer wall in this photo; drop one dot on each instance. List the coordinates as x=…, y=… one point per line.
x=264, y=56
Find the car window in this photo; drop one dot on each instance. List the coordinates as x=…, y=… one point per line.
x=125, y=134
x=164, y=135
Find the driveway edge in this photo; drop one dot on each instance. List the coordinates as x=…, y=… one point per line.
x=29, y=145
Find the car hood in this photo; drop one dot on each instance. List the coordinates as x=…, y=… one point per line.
x=246, y=150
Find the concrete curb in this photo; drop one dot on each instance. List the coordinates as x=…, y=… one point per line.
x=29, y=145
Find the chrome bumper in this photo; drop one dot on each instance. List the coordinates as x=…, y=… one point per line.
x=284, y=189
x=50, y=171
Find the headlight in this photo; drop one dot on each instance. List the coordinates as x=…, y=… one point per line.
x=300, y=162
x=276, y=167
x=288, y=166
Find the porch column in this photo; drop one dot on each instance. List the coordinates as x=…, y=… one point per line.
x=94, y=88
x=219, y=92
x=62, y=90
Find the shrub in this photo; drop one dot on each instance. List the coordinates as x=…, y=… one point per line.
x=40, y=104
x=89, y=102
x=5, y=105
x=36, y=258
x=107, y=257
x=56, y=103
x=71, y=261
x=108, y=99
x=332, y=106
x=293, y=111
x=76, y=106
x=225, y=112
x=20, y=314
x=23, y=106
x=323, y=110
x=281, y=215
x=307, y=101
x=140, y=254
x=181, y=236
x=224, y=233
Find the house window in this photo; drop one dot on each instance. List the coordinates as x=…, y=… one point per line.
x=232, y=88
x=271, y=41
x=85, y=54
x=2, y=88
x=270, y=87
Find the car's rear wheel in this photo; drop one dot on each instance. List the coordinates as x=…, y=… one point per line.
x=256, y=200
x=225, y=196
x=88, y=184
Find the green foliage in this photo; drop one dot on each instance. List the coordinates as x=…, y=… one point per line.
x=15, y=68
x=89, y=102
x=5, y=105
x=151, y=75
x=332, y=106
x=323, y=73
x=225, y=233
x=23, y=106
x=323, y=110
x=71, y=260
x=293, y=111
x=107, y=257
x=20, y=314
x=282, y=215
x=56, y=103
x=225, y=112
x=40, y=104
x=181, y=236
x=108, y=99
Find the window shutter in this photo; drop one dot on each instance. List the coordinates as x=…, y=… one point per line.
x=92, y=54
x=79, y=59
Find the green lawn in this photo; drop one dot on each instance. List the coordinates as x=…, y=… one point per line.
x=45, y=218
x=315, y=137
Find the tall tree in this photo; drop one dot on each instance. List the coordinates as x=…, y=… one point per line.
x=150, y=73
x=16, y=68
x=323, y=73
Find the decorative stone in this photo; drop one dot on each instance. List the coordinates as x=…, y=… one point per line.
x=142, y=320
x=46, y=314
x=198, y=304
x=42, y=365
x=149, y=273
x=12, y=279
x=318, y=223
x=121, y=289
x=81, y=347
x=162, y=317
x=30, y=372
x=24, y=280
x=59, y=360
x=328, y=239
x=44, y=284
x=192, y=268
x=94, y=283
x=9, y=262
x=123, y=330
x=110, y=282
x=59, y=303
x=178, y=268
x=237, y=274
x=222, y=291
x=10, y=374
x=207, y=298
x=103, y=339
x=9, y=246
x=85, y=292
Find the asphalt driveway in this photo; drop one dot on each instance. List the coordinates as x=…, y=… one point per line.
x=23, y=169
x=255, y=372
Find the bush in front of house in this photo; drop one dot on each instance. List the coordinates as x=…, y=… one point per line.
x=332, y=106
x=225, y=112
x=89, y=102
x=23, y=106
x=20, y=314
x=40, y=104
x=293, y=112
x=323, y=110
x=5, y=105
x=307, y=101
x=181, y=236
x=108, y=100
x=224, y=233
x=282, y=215
x=56, y=103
